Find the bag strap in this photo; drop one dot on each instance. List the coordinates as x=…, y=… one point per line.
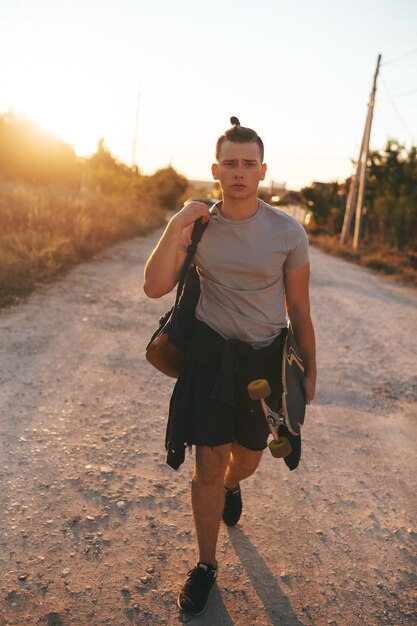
x=197, y=233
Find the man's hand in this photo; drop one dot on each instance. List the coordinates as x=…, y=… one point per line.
x=190, y=212
x=309, y=383
x=164, y=264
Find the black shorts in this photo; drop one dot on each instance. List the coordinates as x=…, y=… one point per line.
x=210, y=404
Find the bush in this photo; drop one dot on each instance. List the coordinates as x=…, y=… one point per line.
x=29, y=154
x=378, y=264
x=42, y=233
x=165, y=187
x=56, y=210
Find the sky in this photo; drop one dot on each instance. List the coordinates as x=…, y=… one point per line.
x=298, y=72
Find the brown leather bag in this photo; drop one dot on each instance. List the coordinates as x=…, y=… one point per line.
x=165, y=356
x=168, y=345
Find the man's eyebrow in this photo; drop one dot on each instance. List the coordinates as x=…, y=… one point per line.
x=245, y=160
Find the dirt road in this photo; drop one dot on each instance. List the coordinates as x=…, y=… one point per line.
x=96, y=529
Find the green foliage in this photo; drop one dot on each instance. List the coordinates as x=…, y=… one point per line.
x=392, y=196
x=390, y=215
x=165, y=187
x=326, y=201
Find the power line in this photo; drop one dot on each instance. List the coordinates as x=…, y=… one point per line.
x=397, y=112
x=381, y=117
x=405, y=93
x=403, y=56
x=400, y=95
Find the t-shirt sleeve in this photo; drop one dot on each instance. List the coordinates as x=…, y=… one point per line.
x=297, y=249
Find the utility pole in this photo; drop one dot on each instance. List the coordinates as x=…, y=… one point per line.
x=135, y=131
x=364, y=162
x=360, y=174
x=351, y=201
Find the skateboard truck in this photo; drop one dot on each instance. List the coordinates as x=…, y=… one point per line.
x=279, y=446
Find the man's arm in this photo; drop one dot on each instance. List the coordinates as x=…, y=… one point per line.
x=298, y=309
x=164, y=265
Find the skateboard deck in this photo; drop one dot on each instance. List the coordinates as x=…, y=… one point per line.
x=293, y=396
x=292, y=413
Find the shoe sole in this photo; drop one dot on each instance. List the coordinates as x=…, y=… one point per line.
x=188, y=612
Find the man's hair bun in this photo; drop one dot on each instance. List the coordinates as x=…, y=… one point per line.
x=239, y=134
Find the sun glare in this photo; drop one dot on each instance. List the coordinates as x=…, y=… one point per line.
x=66, y=114
x=60, y=95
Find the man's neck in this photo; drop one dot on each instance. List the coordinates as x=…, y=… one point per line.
x=232, y=209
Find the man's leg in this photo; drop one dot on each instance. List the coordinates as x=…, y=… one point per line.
x=207, y=495
x=242, y=464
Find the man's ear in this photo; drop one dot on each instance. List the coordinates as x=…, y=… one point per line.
x=263, y=171
x=214, y=171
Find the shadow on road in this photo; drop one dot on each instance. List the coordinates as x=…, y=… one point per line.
x=215, y=613
x=275, y=602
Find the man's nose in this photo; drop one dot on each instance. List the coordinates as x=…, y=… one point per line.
x=239, y=171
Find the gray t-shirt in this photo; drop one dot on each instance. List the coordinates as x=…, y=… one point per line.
x=241, y=267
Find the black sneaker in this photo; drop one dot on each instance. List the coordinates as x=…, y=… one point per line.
x=232, y=506
x=192, y=598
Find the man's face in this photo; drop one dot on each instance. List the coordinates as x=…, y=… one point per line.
x=239, y=169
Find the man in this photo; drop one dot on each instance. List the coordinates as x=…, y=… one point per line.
x=254, y=271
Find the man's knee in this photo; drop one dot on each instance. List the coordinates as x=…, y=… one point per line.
x=211, y=463
x=246, y=460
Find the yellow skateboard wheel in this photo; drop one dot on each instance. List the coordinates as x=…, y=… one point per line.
x=280, y=447
x=259, y=389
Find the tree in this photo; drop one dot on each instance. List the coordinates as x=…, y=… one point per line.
x=108, y=174
x=165, y=187
x=326, y=201
x=30, y=154
x=392, y=195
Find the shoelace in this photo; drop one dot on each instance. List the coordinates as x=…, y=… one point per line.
x=197, y=574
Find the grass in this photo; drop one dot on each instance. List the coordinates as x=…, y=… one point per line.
x=400, y=266
x=45, y=231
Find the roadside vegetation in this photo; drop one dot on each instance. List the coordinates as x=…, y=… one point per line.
x=389, y=231
x=57, y=209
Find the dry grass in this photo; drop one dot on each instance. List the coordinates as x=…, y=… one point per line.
x=400, y=265
x=43, y=231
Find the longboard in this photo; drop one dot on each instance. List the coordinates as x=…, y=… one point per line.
x=292, y=413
